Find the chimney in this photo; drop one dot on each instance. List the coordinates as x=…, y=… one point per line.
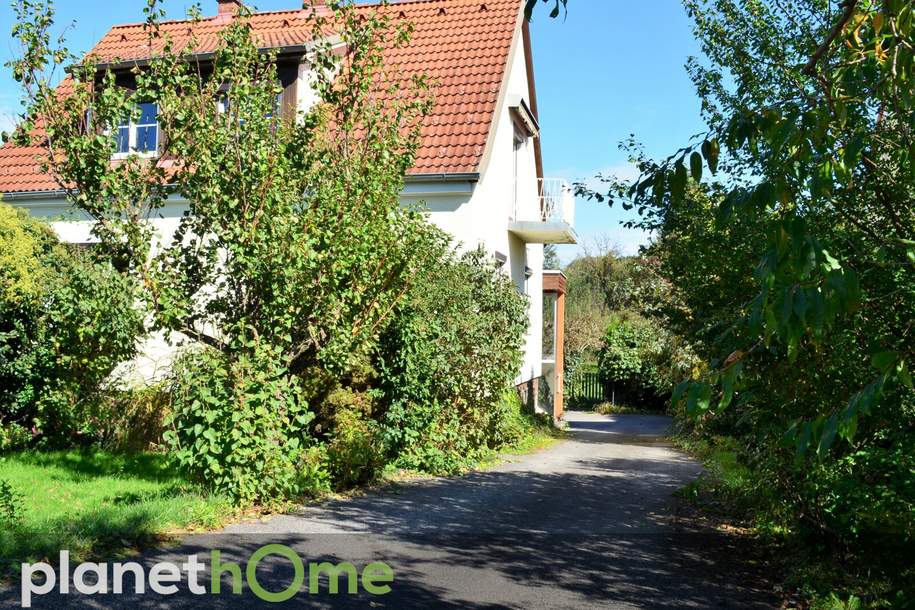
x=316, y=7
x=228, y=7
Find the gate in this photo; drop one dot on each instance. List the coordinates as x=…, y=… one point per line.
x=585, y=385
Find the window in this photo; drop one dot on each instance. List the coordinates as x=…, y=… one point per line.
x=140, y=133
x=224, y=104
x=549, y=326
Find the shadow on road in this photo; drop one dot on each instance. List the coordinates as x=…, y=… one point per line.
x=589, y=524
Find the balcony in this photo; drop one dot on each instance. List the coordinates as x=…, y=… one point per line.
x=551, y=220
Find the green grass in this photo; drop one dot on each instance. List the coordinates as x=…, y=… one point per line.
x=732, y=492
x=620, y=408
x=728, y=487
x=94, y=503
x=538, y=435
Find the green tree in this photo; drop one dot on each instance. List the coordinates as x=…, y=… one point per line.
x=832, y=186
x=66, y=323
x=787, y=234
x=551, y=257
x=294, y=236
x=294, y=253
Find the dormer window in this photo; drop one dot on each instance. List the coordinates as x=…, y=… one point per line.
x=140, y=133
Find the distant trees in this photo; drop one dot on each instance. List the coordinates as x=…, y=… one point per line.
x=615, y=310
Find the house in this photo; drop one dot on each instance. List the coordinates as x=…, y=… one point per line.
x=479, y=169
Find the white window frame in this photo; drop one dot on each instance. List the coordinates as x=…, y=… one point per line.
x=554, y=298
x=132, y=127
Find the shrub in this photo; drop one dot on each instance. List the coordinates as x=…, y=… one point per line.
x=13, y=437
x=445, y=361
x=132, y=419
x=513, y=423
x=346, y=410
x=353, y=451
x=10, y=504
x=239, y=426
x=66, y=322
x=633, y=358
x=424, y=437
x=91, y=323
x=25, y=242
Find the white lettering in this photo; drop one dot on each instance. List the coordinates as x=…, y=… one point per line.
x=164, y=573
x=101, y=578
x=139, y=577
x=28, y=585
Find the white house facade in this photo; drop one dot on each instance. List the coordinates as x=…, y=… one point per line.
x=479, y=170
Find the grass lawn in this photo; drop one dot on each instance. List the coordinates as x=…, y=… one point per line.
x=620, y=408
x=537, y=437
x=96, y=503
x=103, y=505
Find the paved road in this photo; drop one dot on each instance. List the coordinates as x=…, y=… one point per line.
x=589, y=523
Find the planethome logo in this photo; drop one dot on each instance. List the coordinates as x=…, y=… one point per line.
x=165, y=578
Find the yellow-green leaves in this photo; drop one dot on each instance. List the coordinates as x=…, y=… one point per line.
x=22, y=244
x=711, y=150
x=695, y=166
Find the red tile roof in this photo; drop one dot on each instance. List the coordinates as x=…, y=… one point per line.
x=462, y=45
x=131, y=42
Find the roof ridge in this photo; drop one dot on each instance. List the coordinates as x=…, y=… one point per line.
x=377, y=3
x=211, y=18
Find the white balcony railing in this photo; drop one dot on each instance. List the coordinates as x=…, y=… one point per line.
x=557, y=201
x=550, y=218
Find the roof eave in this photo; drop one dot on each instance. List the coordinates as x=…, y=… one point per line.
x=24, y=195
x=411, y=178
x=443, y=177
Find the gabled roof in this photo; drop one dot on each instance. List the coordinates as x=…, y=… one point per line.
x=462, y=45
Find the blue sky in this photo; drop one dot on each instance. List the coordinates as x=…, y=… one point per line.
x=610, y=69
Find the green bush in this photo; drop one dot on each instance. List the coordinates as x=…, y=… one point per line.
x=635, y=359
x=10, y=504
x=432, y=399
x=66, y=323
x=132, y=419
x=14, y=437
x=512, y=423
x=445, y=361
x=354, y=452
x=239, y=426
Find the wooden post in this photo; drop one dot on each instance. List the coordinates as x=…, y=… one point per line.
x=554, y=282
x=560, y=355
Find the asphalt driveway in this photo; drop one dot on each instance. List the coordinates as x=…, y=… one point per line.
x=589, y=523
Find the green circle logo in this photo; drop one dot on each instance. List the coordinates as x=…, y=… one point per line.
x=287, y=593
